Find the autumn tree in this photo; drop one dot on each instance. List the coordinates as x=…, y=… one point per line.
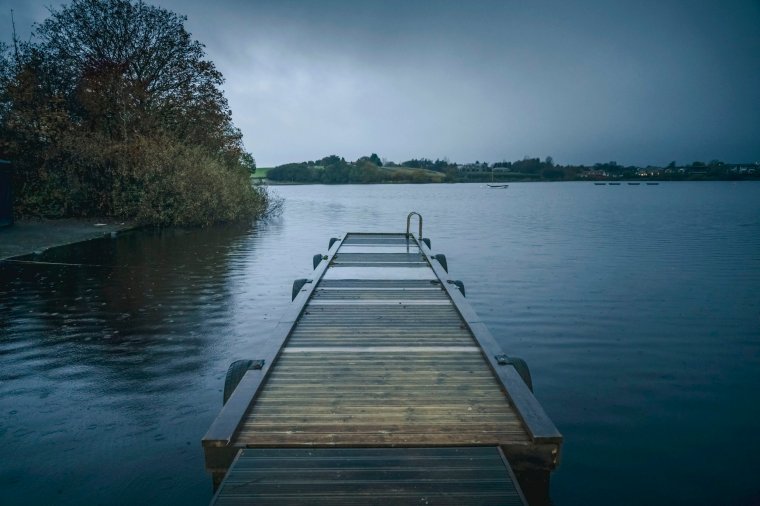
x=104, y=85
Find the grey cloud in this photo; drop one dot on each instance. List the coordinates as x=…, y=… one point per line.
x=637, y=82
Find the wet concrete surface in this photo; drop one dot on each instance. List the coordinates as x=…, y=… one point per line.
x=29, y=236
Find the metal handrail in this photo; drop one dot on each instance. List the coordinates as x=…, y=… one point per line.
x=409, y=222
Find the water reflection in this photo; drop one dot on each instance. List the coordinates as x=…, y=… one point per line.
x=137, y=306
x=109, y=353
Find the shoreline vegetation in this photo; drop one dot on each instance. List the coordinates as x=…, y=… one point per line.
x=372, y=170
x=112, y=109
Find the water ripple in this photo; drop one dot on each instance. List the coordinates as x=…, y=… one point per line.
x=636, y=307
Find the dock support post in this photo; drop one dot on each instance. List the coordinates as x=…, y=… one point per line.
x=535, y=486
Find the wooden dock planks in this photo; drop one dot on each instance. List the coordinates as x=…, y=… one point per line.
x=380, y=350
x=381, y=398
x=435, y=378
x=371, y=476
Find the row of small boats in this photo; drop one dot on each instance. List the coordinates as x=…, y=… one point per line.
x=649, y=183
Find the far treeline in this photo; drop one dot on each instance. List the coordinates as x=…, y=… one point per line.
x=371, y=169
x=113, y=110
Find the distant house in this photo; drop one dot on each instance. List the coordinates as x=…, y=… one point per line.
x=744, y=168
x=595, y=174
x=473, y=168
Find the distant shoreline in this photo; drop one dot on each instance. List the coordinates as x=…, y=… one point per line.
x=372, y=170
x=268, y=182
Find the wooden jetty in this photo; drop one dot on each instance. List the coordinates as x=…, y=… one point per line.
x=380, y=385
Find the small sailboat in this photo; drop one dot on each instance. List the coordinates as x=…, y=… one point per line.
x=496, y=185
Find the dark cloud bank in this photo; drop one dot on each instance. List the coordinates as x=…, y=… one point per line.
x=636, y=82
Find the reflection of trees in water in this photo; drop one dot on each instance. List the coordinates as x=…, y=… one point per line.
x=142, y=312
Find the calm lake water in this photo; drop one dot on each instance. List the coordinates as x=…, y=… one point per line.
x=637, y=308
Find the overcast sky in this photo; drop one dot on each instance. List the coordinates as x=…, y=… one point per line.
x=638, y=82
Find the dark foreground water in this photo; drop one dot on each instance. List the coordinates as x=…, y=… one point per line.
x=637, y=308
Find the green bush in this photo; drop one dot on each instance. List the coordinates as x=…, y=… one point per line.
x=168, y=183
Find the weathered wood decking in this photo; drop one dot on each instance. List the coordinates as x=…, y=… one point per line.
x=381, y=349
x=458, y=476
